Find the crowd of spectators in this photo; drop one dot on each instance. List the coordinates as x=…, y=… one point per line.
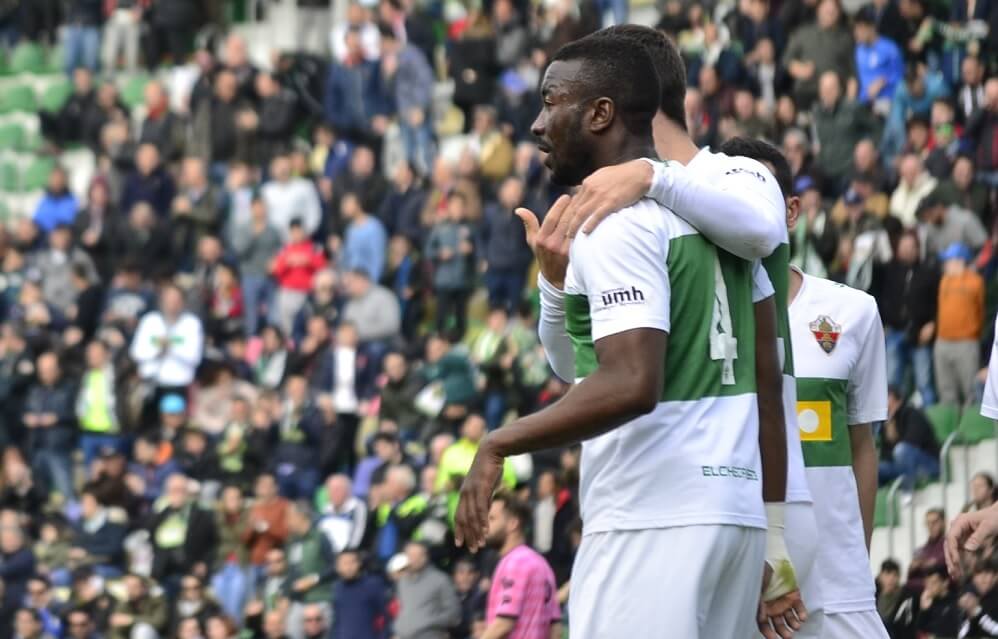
x=242, y=375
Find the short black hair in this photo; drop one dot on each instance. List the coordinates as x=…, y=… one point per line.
x=766, y=153
x=515, y=508
x=669, y=67
x=618, y=68
x=889, y=565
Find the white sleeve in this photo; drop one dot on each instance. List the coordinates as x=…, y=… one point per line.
x=621, y=268
x=762, y=287
x=867, y=401
x=989, y=407
x=552, y=331
x=142, y=349
x=743, y=212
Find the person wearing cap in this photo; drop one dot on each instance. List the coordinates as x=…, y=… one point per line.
x=943, y=225
x=959, y=321
x=879, y=63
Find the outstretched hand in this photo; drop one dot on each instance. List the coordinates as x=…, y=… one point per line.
x=969, y=531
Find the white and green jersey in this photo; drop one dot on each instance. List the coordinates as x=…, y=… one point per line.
x=840, y=361
x=694, y=460
x=989, y=405
x=727, y=174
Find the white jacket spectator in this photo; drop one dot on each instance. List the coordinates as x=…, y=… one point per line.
x=168, y=343
x=344, y=518
x=288, y=197
x=914, y=185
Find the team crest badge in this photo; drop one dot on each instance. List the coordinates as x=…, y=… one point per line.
x=826, y=332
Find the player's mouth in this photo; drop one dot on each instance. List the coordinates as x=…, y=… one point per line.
x=545, y=150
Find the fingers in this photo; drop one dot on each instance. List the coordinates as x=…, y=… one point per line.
x=561, y=229
x=576, y=213
x=554, y=216
x=951, y=549
x=800, y=610
x=530, y=223
x=986, y=527
x=600, y=214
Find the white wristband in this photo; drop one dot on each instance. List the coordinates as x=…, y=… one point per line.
x=784, y=579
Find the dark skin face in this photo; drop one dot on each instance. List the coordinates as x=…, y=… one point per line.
x=562, y=128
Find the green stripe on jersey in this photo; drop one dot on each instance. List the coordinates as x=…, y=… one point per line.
x=690, y=373
x=821, y=415
x=777, y=268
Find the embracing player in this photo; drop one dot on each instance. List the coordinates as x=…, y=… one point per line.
x=661, y=323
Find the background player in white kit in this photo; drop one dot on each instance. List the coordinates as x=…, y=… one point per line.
x=840, y=364
x=735, y=203
x=670, y=485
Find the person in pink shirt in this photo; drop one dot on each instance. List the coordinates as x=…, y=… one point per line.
x=523, y=600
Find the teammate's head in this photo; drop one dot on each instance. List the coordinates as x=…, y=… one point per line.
x=668, y=64
x=508, y=518
x=599, y=95
x=776, y=162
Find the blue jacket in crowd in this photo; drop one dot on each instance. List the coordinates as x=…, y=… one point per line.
x=359, y=608
x=882, y=59
x=55, y=209
x=354, y=95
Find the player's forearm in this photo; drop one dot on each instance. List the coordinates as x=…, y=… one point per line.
x=607, y=399
x=864, y=467
x=772, y=419
x=552, y=332
x=499, y=629
x=737, y=220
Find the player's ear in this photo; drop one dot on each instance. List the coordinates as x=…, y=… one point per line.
x=603, y=111
x=793, y=212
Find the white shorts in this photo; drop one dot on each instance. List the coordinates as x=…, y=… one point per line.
x=854, y=625
x=694, y=582
x=802, y=543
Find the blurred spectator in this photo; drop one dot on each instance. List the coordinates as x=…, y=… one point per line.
x=17, y=565
x=99, y=542
x=343, y=517
x=365, y=239
x=961, y=313
x=184, y=535
x=409, y=78
x=290, y=197
x=222, y=127
x=906, y=289
x=879, y=64
x=979, y=602
x=149, y=183
x=938, y=613
x=235, y=58
x=817, y=49
x=913, y=98
x=142, y=613
x=450, y=247
x=358, y=20
x=311, y=564
x=167, y=345
x=267, y=526
x=457, y=458
x=173, y=25
x=909, y=448
x=254, y=243
x=121, y=33
x=943, y=226
x=293, y=269
x=161, y=127
x=467, y=583
x=97, y=404
x=982, y=133
x=51, y=422
x=929, y=557
x=915, y=185
x=840, y=124
x=277, y=118
x=982, y=492
x=401, y=207
x=429, y=605
x=490, y=146
x=80, y=625
x=28, y=625
x=300, y=429
x=358, y=600
x=84, y=18
x=371, y=309
x=970, y=92
x=56, y=265
x=59, y=205
x=230, y=578
x=66, y=125
x=894, y=603
x=961, y=190
x=355, y=102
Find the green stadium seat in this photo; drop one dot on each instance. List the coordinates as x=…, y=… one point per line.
x=28, y=57
x=944, y=420
x=56, y=95
x=882, y=509
x=10, y=177
x=55, y=61
x=20, y=98
x=11, y=137
x=36, y=175
x=975, y=427
x=133, y=91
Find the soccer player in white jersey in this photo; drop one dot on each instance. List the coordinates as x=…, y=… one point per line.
x=674, y=525
x=738, y=205
x=989, y=405
x=840, y=362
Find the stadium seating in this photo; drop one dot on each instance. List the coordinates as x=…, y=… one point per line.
x=944, y=420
